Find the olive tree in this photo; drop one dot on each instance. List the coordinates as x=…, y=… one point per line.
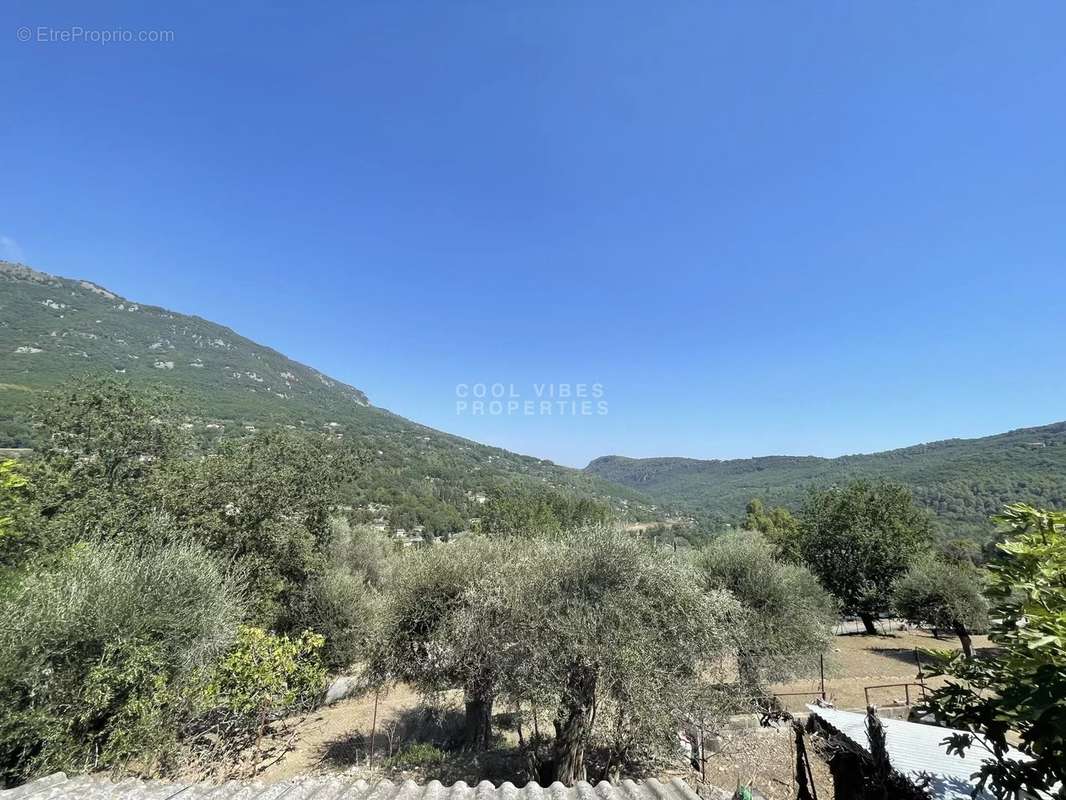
x=448, y=622
x=612, y=629
x=859, y=539
x=596, y=628
x=945, y=597
x=787, y=616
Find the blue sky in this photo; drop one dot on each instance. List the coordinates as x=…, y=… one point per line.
x=761, y=227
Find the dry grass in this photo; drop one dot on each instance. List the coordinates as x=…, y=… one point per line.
x=856, y=661
x=329, y=738
x=336, y=738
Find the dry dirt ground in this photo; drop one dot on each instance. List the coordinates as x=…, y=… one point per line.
x=857, y=661
x=336, y=738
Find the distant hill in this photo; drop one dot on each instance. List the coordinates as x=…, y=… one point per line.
x=53, y=329
x=963, y=481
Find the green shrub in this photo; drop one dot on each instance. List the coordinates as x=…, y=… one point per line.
x=17, y=540
x=420, y=754
x=340, y=607
x=100, y=654
x=265, y=672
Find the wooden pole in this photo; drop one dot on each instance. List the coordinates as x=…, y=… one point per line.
x=374, y=728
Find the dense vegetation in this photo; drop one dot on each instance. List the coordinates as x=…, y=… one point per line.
x=963, y=482
x=161, y=601
x=138, y=576
x=1016, y=697
x=53, y=329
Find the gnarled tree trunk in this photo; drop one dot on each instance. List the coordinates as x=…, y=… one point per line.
x=868, y=622
x=477, y=731
x=964, y=638
x=573, y=724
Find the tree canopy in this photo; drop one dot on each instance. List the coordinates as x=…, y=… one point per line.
x=944, y=596
x=787, y=615
x=859, y=539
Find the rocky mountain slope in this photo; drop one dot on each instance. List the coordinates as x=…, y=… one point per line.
x=53, y=329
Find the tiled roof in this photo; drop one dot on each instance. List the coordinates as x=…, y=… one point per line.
x=86, y=787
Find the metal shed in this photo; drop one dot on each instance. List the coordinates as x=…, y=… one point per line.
x=915, y=751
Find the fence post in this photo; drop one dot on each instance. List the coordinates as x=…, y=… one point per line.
x=821, y=673
x=374, y=728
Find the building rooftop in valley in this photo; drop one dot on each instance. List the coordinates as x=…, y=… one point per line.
x=915, y=750
x=92, y=787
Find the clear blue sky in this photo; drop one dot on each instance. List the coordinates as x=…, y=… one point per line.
x=762, y=227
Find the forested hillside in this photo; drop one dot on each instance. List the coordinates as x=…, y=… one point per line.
x=54, y=329
x=963, y=481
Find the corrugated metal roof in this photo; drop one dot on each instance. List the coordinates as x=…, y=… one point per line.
x=86, y=787
x=915, y=750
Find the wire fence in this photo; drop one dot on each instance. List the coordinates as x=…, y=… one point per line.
x=847, y=627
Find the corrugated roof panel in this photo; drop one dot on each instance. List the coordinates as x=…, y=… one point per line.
x=58, y=787
x=914, y=750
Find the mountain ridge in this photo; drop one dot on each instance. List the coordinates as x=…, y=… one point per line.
x=793, y=457
x=54, y=329
x=962, y=480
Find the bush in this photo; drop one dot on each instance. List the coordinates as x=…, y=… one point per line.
x=340, y=607
x=14, y=543
x=265, y=672
x=99, y=655
x=416, y=755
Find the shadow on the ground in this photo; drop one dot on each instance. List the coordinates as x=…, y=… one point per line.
x=904, y=655
x=433, y=733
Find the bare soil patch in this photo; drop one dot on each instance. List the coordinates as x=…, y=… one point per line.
x=336, y=739
x=857, y=661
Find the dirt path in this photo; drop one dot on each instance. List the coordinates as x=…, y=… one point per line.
x=336, y=738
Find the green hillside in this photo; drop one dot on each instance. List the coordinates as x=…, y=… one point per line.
x=963, y=481
x=54, y=329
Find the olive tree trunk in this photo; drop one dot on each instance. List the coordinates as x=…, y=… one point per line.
x=964, y=638
x=572, y=726
x=477, y=728
x=868, y=623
